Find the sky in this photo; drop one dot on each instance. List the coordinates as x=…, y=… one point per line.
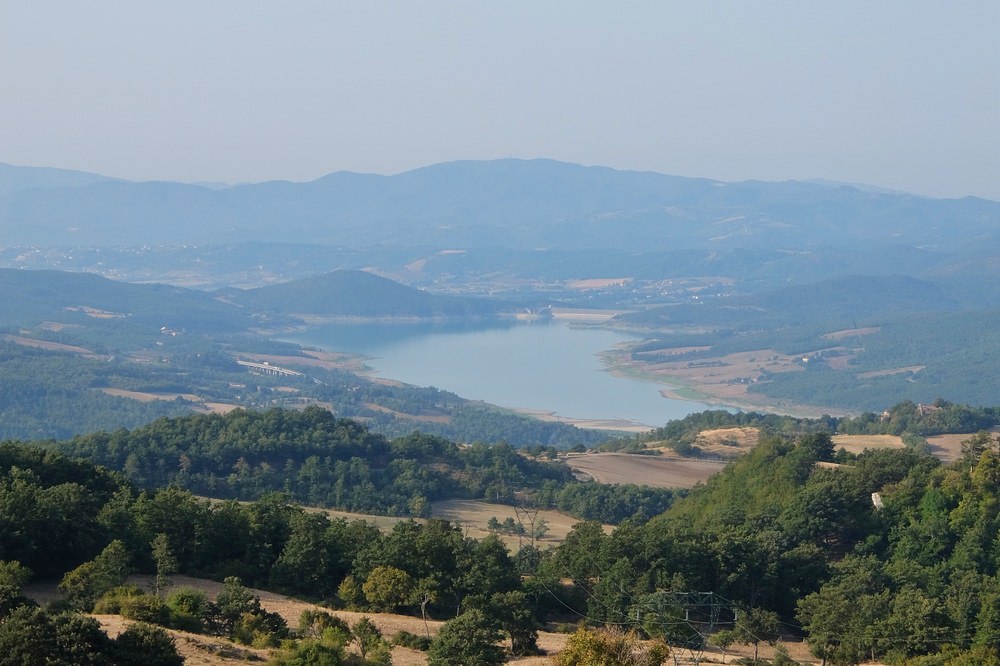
x=902, y=94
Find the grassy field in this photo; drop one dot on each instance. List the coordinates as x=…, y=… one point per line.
x=199, y=650
x=858, y=443
x=946, y=448
x=657, y=471
x=471, y=516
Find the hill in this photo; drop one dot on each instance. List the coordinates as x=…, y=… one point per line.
x=31, y=297
x=793, y=540
x=18, y=178
x=357, y=294
x=520, y=204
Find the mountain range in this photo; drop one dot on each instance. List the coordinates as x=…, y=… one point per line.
x=514, y=204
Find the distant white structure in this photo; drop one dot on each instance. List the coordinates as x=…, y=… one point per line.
x=877, y=501
x=268, y=369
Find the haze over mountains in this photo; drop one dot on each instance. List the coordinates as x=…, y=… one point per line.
x=514, y=204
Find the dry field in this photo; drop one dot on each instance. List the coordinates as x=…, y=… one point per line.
x=728, y=441
x=50, y=346
x=472, y=515
x=851, y=333
x=199, y=650
x=144, y=396
x=721, y=380
x=656, y=471
x=858, y=443
x=948, y=448
x=312, y=359
x=199, y=406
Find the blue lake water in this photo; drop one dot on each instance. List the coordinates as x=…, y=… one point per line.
x=545, y=366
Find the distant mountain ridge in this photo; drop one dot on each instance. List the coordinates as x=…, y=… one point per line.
x=16, y=178
x=516, y=204
x=30, y=297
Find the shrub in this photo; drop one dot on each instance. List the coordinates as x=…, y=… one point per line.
x=145, y=608
x=110, y=602
x=145, y=645
x=410, y=640
x=188, y=608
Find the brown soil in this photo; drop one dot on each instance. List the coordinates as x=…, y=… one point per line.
x=657, y=471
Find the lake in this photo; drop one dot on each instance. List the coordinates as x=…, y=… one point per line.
x=546, y=366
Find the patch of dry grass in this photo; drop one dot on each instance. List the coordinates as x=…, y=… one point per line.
x=656, y=471
x=858, y=443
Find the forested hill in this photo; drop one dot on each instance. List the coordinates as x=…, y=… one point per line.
x=790, y=538
x=314, y=457
x=357, y=294
x=318, y=459
x=32, y=296
x=788, y=541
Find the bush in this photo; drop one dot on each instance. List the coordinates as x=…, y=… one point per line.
x=317, y=623
x=110, y=602
x=188, y=608
x=145, y=645
x=470, y=638
x=410, y=640
x=611, y=646
x=145, y=608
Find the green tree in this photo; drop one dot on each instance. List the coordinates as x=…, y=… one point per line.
x=371, y=644
x=145, y=645
x=388, y=588
x=166, y=563
x=469, y=639
x=87, y=582
x=13, y=576
x=189, y=608
x=79, y=641
x=233, y=602
x=27, y=637
x=755, y=626
x=723, y=640
x=513, y=612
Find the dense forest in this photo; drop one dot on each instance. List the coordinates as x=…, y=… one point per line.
x=788, y=541
x=318, y=459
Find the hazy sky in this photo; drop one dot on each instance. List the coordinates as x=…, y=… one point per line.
x=897, y=93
